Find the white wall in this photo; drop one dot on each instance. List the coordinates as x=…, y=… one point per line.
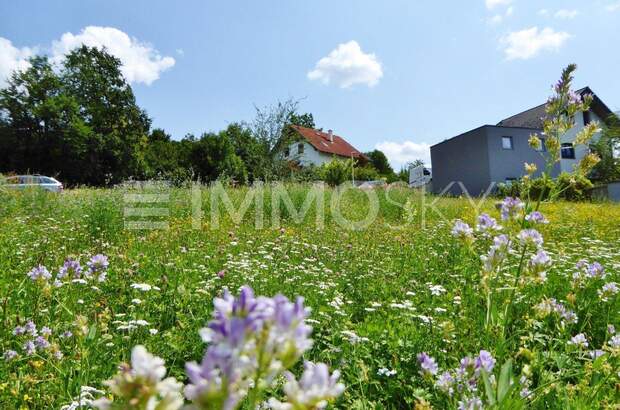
x=310, y=155
x=567, y=165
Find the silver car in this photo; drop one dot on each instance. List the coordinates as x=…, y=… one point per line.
x=31, y=181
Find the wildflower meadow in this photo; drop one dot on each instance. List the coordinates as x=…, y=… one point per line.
x=397, y=315
x=301, y=296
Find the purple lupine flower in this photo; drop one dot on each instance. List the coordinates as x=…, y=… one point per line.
x=496, y=254
x=31, y=328
x=608, y=291
x=614, y=342
x=539, y=263
x=537, y=218
x=470, y=403
x=511, y=208
x=579, y=340
x=66, y=334
x=461, y=230
x=46, y=331
x=428, y=364
x=58, y=355
x=484, y=361
x=611, y=329
x=243, y=330
x=41, y=342
x=30, y=348
x=445, y=383
x=71, y=268
x=486, y=224
x=314, y=390
x=19, y=330
x=219, y=378
x=574, y=98
x=39, y=273
x=595, y=354
x=595, y=270
x=530, y=237
x=569, y=316
x=98, y=264
x=9, y=355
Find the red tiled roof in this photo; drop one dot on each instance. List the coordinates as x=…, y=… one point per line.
x=320, y=141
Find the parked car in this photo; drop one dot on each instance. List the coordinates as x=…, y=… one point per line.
x=31, y=181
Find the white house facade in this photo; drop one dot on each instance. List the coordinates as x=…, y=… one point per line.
x=315, y=147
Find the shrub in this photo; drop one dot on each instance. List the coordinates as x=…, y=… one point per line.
x=335, y=172
x=574, y=187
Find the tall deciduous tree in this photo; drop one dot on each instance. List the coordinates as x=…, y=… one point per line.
x=82, y=123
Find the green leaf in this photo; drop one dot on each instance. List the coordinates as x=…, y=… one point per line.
x=488, y=389
x=505, y=376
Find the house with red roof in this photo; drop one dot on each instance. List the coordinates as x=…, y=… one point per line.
x=315, y=147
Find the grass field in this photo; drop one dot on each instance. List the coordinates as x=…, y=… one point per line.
x=379, y=295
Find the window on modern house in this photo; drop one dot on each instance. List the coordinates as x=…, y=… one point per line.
x=507, y=143
x=287, y=152
x=568, y=150
x=300, y=149
x=586, y=117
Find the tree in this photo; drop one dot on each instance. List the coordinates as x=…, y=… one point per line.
x=271, y=129
x=380, y=162
x=108, y=105
x=607, y=148
x=213, y=157
x=81, y=123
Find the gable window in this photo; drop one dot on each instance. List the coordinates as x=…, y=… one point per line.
x=507, y=143
x=543, y=147
x=287, y=152
x=300, y=149
x=568, y=150
x=586, y=118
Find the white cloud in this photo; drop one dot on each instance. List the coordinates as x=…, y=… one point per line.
x=528, y=43
x=399, y=153
x=141, y=63
x=613, y=7
x=12, y=58
x=348, y=65
x=491, y=4
x=498, y=18
x=543, y=12
x=566, y=14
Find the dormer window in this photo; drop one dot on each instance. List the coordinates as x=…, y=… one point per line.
x=300, y=149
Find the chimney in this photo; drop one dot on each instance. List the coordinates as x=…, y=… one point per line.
x=330, y=135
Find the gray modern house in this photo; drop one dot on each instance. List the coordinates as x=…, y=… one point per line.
x=477, y=160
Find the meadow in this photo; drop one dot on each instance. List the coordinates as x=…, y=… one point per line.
x=409, y=282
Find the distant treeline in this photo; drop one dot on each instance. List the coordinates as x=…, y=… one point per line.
x=79, y=121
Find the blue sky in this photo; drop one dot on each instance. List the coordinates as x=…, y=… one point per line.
x=398, y=75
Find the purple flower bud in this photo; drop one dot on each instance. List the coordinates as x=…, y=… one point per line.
x=71, y=268
x=9, y=355
x=39, y=273
x=485, y=361
x=428, y=364
x=511, y=208
x=537, y=218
